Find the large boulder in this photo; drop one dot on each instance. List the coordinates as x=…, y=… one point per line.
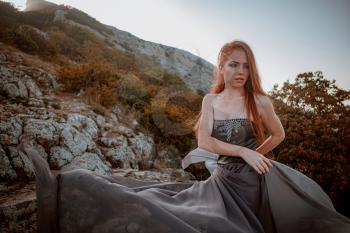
x=17, y=84
x=10, y=130
x=85, y=125
x=76, y=142
x=88, y=161
x=7, y=173
x=21, y=163
x=60, y=156
x=144, y=149
x=137, y=151
x=46, y=132
x=121, y=155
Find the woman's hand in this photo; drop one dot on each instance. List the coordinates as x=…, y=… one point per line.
x=256, y=160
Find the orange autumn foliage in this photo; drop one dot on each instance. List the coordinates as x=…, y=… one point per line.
x=316, y=120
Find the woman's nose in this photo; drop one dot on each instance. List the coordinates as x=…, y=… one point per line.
x=240, y=69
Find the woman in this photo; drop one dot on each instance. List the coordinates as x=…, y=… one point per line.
x=245, y=193
x=237, y=89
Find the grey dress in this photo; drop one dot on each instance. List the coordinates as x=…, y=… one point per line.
x=234, y=198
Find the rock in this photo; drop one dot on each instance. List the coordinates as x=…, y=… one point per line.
x=16, y=82
x=101, y=121
x=59, y=157
x=88, y=161
x=168, y=157
x=18, y=209
x=7, y=173
x=33, y=89
x=33, y=102
x=179, y=174
x=4, y=71
x=125, y=131
x=39, y=149
x=166, y=175
x=21, y=163
x=10, y=131
x=137, y=152
x=114, y=117
x=7, y=55
x=150, y=175
x=112, y=140
x=66, y=128
x=45, y=79
x=23, y=92
x=76, y=142
x=122, y=155
x=194, y=71
x=85, y=125
x=19, y=167
x=46, y=132
x=34, y=5
x=134, y=123
x=59, y=16
x=143, y=147
x=10, y=90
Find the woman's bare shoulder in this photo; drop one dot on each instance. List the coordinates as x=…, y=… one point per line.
x=208, y=98
x=262, y=100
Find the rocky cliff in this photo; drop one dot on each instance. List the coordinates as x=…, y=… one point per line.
x=67, y=131
x=196, y=72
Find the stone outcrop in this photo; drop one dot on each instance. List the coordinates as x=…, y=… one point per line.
x=68, y=135
x=194, y=71
x=32, y=5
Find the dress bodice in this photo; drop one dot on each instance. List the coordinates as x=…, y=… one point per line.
x=237, y=131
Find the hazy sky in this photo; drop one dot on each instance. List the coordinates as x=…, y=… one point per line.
x=287, y=37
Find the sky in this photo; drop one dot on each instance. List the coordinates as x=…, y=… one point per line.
x=288, y=37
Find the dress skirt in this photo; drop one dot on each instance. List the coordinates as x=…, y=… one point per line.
x=234, y=198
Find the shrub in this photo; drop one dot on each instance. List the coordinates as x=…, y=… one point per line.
x=316, y=121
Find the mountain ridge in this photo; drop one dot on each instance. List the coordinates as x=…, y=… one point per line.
x=196, y=72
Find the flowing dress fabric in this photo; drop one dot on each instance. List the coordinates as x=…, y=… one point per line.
x=234, y=198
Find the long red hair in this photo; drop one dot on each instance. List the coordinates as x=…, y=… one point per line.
x=252, y=86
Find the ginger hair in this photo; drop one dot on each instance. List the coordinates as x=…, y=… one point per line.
x=252, y=86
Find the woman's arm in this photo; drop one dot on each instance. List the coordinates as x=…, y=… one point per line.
x=205, y=141
x=272, y=124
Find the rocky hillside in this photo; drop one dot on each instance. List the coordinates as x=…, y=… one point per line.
x=65, y=131
x=196, y=72
x=85, y=102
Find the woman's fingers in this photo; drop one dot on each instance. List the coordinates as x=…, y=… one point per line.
x=261, y=168
x=268, y=162
x=263, y=165
x=259, y=162
x=257, y=169
x=266, y=167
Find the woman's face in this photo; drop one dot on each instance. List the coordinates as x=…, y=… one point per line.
x=236, y=69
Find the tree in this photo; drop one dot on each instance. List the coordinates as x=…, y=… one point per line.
x=316, y=120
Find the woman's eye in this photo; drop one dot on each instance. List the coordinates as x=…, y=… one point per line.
x=233, y=65
x=246, y=66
